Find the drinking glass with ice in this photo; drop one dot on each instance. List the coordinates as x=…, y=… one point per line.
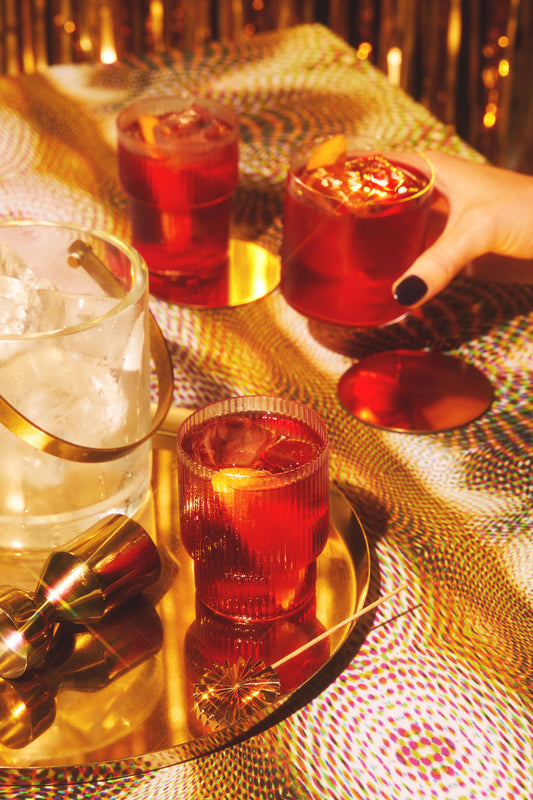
x=254, y=504
x=356, y=218
x=178, y=164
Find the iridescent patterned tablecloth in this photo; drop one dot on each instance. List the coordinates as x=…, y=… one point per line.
x=436, y=699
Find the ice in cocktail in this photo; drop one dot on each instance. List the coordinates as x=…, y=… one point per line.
x=178, y=164
x=74, y=360
x=254, y=504
x=355, y=219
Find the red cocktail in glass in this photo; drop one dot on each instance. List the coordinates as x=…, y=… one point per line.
x=254, y=504
x=178, y=164
x=351, y=228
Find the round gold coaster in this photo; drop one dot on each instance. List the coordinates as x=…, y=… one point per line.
x=253, y=272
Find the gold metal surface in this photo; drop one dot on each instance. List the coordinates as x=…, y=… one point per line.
x=80, y=583
x=253, y=272
x=82, y=257
x=138, y=715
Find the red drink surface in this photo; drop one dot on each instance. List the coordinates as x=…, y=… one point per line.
x=349, y=230
x=255, y=515
x=180, y=185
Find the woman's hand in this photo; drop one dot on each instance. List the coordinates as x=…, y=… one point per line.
x=481, y=220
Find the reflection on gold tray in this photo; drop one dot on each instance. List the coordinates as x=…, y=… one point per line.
x=120, y=701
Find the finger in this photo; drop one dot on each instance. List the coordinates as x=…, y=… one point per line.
x=438, y=217
x=437, y=266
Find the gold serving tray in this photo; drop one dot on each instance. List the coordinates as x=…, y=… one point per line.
x=118, y=717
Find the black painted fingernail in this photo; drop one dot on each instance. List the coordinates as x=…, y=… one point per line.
x=410, y=290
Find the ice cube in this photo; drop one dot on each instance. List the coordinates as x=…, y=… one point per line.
x=133, y=350
x=25, y=473
x=20, y=307
x=19, y=302
x=65, y=309
x=24, y=309
x=287, y=454
x=378, y=178
x=12, y=265
x=215, y=129
x=188, y=122
x=364, y=180
x=231, y=442
x=74, y=396
x=194, y=123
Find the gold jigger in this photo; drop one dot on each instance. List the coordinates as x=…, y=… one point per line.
x=83, y=659
x=27, y=709
x=25, y=633
x=96, y=572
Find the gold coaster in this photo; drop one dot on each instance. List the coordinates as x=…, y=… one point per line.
x=416, y=391
x=253, y=272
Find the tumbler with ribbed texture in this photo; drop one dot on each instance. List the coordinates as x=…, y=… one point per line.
x=253, y=478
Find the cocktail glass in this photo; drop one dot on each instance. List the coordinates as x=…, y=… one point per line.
x=178, y=163
x=355, y=218
x=75, y=361
x=254, y=504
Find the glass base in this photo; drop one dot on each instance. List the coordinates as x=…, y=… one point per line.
x=250, y=273
x=415, y=391
x=258, y=597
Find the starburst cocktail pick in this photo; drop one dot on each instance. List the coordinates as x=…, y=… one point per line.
x=229, y=693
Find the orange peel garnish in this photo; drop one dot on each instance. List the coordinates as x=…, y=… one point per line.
x=147, y=123
x=232, y=477
x=328, y=152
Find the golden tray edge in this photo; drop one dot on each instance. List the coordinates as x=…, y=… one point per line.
x=342, y=586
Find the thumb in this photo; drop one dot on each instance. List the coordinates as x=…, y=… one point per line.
x=436, y=267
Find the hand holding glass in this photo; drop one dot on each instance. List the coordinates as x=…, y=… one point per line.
x=356, y=214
